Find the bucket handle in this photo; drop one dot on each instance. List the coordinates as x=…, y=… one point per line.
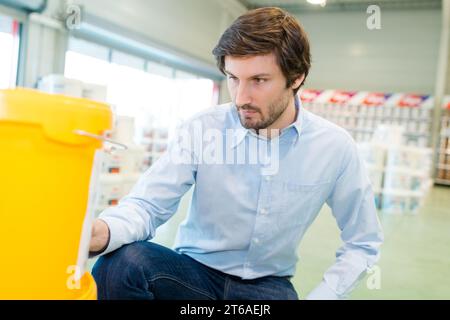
x=115, y=144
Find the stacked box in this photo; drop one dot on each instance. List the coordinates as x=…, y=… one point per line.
x=400, y=175
x=407, y=178
x=120, y=168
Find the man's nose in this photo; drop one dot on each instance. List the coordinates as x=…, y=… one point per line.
x=243, y=96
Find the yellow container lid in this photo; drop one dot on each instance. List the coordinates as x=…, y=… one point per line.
x=59, y=116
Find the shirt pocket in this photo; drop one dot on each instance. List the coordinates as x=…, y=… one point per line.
x=296, y=204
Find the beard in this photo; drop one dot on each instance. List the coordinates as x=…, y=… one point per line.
x=258, y=121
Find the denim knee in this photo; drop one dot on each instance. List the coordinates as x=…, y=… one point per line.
x=121, y=271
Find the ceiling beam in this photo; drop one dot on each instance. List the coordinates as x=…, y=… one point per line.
x=345, y=5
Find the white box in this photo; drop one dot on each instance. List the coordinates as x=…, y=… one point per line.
x=376, y=178
x=132, y=159
x=373, y=154
x=412, y=158
x=398, y=179
x=112, y=162
x=58, y=84
x=95, y=92
x=129, y=181
x=110, y=190
x=400, y=202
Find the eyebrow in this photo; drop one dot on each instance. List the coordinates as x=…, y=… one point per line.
x=260, y=75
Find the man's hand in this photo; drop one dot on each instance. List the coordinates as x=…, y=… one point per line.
x=100, y=236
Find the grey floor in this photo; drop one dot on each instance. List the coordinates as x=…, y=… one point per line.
x=415, y=257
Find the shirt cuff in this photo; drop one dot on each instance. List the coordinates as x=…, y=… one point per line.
x=93, y=254
x=323, y=292
x=114, y=241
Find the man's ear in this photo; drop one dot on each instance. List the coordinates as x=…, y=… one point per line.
x=298, y=82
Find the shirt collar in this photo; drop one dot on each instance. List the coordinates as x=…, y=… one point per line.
x=239, y=132
x=297, y=124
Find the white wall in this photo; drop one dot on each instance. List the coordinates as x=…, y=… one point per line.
x=401, y=57
x=190, y=26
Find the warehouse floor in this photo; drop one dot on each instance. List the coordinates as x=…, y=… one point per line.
x=415, y=259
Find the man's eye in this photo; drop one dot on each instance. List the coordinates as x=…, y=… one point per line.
x=260, y=80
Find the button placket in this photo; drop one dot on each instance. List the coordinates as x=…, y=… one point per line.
x=262, y=211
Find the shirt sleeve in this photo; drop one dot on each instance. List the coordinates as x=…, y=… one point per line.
x=353, y=206
x=155, y=197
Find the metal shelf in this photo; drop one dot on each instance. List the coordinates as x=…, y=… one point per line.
x=442, y=181
x=412, y=134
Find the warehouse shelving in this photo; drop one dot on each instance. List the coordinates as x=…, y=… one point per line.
x=443, y=162
x=155, y=141
x=360, y=113
x=120, y=169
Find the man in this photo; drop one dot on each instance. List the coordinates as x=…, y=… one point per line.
x=245, y=222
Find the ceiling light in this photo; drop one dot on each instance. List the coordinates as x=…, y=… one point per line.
x=322, y=3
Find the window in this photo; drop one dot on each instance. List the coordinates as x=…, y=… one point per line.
x=87, y=62
x=9, y=53
x=152, y=93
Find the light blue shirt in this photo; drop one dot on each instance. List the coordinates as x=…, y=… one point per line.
x=248, y=222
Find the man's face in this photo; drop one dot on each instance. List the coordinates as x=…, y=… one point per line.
x=258, y=89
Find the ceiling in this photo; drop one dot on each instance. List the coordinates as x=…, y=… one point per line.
x=299, y=6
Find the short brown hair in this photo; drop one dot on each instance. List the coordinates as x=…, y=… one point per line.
x=263, y=31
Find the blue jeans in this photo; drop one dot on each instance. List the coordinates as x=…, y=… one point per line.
x=145, y=270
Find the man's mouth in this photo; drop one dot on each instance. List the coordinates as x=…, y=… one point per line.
x=248, y=112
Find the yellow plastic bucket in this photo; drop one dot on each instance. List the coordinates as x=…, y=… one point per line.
x=45, y=175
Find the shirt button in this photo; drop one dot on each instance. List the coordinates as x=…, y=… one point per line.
x=268, y=178
x=256, y=240
x=263, y=211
